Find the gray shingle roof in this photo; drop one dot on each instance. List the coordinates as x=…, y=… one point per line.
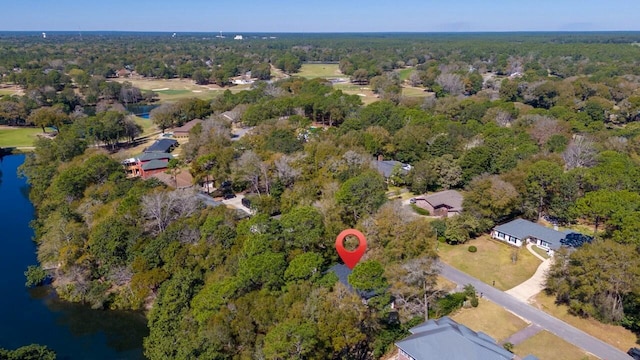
x=523, y=229
x=446, y=339
x=385, y=167
x=449, y=198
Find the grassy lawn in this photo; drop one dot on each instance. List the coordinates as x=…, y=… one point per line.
x=147, y=125
x=545, y=345
x=415, y=92
x=312, y=71
x=405, y=73
x=540, y=251
x=491, y=262
x=614, y=335
x=6, y=92
x=18, y=136
x=490, y=319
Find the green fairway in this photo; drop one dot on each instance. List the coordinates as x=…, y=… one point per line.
x=405, y=73
x=312, y=71
x=18, y=137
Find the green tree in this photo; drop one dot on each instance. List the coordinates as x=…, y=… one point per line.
x=368, y=276
x=48, y=116
x=303, y=228
x=362, y=195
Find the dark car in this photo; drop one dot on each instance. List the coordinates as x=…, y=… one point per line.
x=229, y=196
x=246, y=202
x=225, y=184
x=634, y=353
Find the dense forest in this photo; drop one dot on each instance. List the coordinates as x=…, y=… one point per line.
x=525, y=125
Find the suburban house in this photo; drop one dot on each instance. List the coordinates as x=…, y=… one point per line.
x=147, y=164
x=343, y=272
x=446, y=339
x=183, y=131
x=153, y=160
x=162, y=146
x=387, y=168
x=444, y=203
x=518, y=231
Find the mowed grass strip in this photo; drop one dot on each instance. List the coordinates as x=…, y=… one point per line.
x=312, y=71
x=490, y=319
x=614, y=335
x=545, y=345
x=492, y=261
x=18, y=136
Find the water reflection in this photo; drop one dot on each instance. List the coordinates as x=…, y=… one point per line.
x=124, y=330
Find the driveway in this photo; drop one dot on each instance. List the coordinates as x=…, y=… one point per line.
x=236, y=203
x=537, y=317
x=535, y=284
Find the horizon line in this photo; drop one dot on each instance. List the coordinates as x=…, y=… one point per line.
x=324, y=32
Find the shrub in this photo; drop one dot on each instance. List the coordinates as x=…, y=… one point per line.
x=450, y=303
x=508, y=346
x=475, y=302
x=420, y=210
x=35, y=276
x=472, y=249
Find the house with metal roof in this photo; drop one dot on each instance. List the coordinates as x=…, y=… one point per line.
x=163, y=146
x=518, y=231
x=446, y=339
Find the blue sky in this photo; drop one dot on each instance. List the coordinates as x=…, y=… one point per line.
x=320, y=16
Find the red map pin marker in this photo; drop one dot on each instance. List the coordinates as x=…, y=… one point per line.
x=351, y=258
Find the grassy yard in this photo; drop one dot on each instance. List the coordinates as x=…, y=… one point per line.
x=540, y=251
x=492, y=262
x=312, y=71
x=490, y=319
x=6, y=92
x=18, y=136
x=545, y=345
x=614, y=335
x=147, y=125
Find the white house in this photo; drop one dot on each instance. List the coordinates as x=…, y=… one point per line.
x=518, y=231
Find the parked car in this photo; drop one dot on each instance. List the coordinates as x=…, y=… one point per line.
x=229, y=196
x=634, y=353
x=412, y=201
x=246, y=202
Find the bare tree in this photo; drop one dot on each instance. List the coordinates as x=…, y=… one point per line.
x=414, y=286
x=284, y=171
x=248, y=168
x=579, y=153
x=164, y=207
x=544, y=127
x=451, y=83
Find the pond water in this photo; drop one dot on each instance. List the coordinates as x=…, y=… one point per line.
x=36, y=315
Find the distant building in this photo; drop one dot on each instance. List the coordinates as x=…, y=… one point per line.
x=386, y=168
x=237, y=37
x=183, y=131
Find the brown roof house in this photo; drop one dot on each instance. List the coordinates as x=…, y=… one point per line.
x=444, y=203
x=183, y=131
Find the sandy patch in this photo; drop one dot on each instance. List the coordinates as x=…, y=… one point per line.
x=162, y=89
x=197, y=91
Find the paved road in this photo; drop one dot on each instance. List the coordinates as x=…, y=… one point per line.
x=537, y=317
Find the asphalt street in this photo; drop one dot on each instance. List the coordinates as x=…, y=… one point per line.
x=537, y=317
